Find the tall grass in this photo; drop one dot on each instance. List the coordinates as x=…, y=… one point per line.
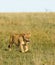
x=42, y=45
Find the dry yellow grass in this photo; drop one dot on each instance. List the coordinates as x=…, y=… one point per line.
x=42, y=46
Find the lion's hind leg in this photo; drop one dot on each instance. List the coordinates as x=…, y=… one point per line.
x=10, y=43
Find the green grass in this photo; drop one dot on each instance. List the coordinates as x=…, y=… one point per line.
x=42, y=45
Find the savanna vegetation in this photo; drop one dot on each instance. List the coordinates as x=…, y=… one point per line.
x=42, y=45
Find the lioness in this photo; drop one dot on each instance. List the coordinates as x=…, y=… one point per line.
x=20, y=39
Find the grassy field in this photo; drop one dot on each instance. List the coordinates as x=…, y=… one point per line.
x=42, y=45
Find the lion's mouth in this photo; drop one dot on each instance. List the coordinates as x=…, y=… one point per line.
x=27, y=40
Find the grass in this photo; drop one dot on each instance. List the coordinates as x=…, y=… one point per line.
x=42, y=45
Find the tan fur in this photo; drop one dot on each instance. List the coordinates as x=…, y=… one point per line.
x=21, y=40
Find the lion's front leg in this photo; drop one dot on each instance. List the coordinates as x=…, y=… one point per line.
x=22, y=46
x=26, y=47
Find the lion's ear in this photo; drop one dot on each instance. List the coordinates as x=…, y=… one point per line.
x=30, y=34
x=27, y=35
